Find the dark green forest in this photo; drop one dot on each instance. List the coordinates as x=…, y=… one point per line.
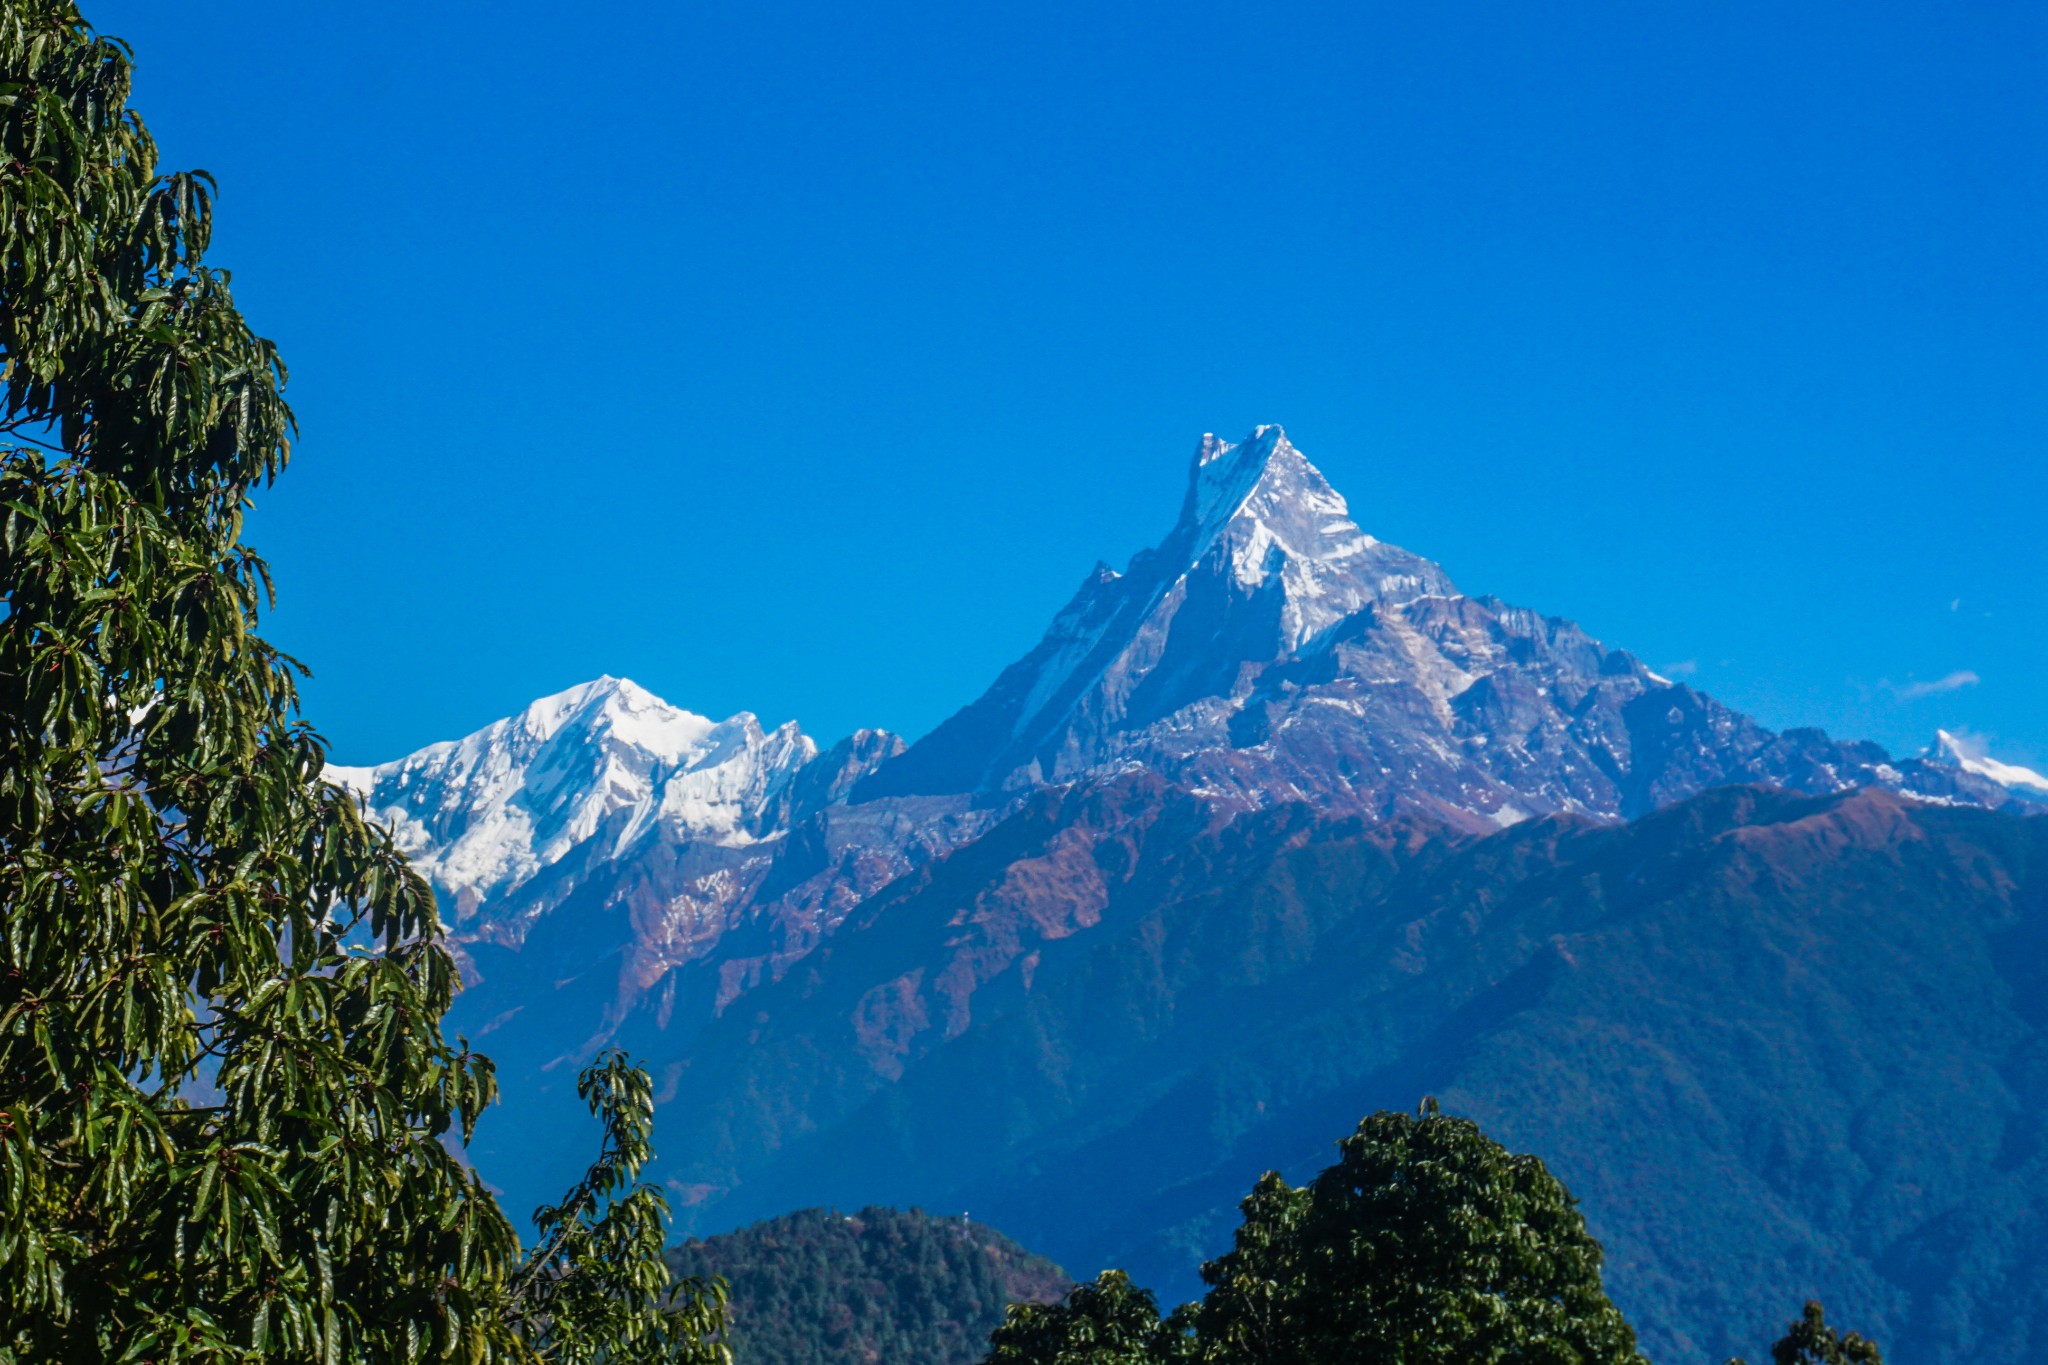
x=820, y=1287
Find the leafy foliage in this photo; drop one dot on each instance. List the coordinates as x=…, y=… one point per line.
x=226, y=1104
x=1425, y=1241
x=596, y=1287
x=1810, y=1341
x=1253, y=1305
x=1108, y=1321
x=818, y=1287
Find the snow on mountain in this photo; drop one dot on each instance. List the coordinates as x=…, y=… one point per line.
x=1969, y=755
x=655, y=832
x=1261, y=508
x=1270, y=650
x=607, y=761
x=1263, y=564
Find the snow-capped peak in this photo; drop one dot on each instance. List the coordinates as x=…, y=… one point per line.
x=618, y=708
x=1968, y=754
x=592, y=768
x=1224, y=474
x=1262, y=567
x=1262, y=508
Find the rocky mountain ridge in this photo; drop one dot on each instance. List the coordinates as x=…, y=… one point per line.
x=595, y=766
x=1268, y=650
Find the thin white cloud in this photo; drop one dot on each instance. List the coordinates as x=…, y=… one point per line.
x=1684, y=668
x=1954, y=682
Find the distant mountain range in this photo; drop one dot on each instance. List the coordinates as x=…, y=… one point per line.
x=1168, y=904
x=1267, y=651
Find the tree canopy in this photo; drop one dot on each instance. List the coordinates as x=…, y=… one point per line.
x=821, y=1287
x=228, y=1114
x=1810, y=1341
x=1108, y=1321
x=1425, y=1241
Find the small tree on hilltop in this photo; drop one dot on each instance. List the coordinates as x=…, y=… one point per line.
x=225, y=1096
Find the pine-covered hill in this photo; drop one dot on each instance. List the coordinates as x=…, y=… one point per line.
x=819, y=1287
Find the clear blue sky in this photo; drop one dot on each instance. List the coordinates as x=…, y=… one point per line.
x=801, y=358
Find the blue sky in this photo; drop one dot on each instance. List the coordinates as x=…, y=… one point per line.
x=801, y=358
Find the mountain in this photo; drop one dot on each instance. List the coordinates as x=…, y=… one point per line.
x=682, y=826
x=572, y=782
x=1269, y=649
x=819, y=1287
x=1967, y=754
x=1048, y=960
x=1780, y=1045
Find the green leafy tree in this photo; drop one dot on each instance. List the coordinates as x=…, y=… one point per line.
x=1255, y=1289
x=226, y=1103
x=1108, y=1321
x=1426, y=1241
x=1810, y=1341
x=596, y=1287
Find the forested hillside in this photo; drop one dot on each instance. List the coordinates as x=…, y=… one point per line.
x=820, y=1287
x=1783, y=1046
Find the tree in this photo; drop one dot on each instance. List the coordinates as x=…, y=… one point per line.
x=1255, y=1288
x=596, y=1288
x=226, y=1103
x=1108, y=1321
x=1810, y=1341
x=1426, y=1241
